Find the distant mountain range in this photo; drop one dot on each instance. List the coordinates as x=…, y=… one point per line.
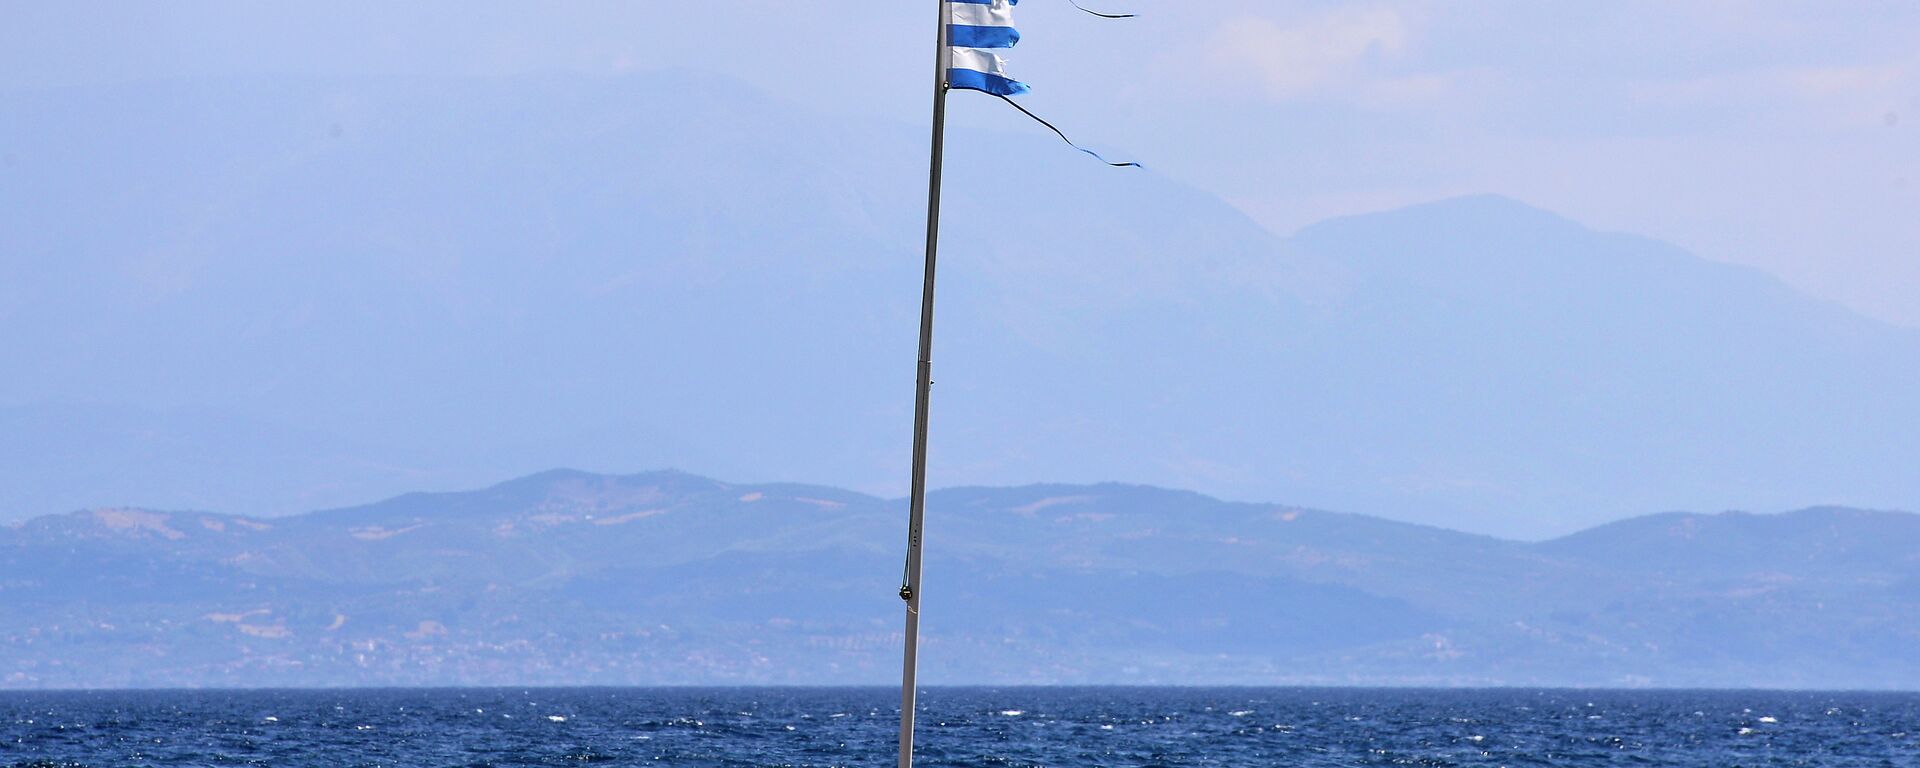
x=281, y=294
x=575, y=578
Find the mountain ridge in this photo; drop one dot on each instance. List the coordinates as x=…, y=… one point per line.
x=622, y=271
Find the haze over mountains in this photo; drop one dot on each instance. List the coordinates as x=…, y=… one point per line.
x=570, y=578
x=275, y=295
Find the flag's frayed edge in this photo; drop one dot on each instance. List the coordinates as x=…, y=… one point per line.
x=1063, y=136
x=1099, y=14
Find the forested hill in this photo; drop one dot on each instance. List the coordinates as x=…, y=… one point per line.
x=575, y=578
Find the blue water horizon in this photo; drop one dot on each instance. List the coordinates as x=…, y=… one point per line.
x=960, y=725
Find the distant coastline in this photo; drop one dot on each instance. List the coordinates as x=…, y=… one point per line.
x=571, y=578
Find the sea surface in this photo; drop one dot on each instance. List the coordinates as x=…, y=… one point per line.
x=960, y=727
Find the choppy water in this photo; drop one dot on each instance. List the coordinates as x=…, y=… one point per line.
x=962, y=727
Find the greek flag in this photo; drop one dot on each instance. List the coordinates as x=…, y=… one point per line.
x=975, y=28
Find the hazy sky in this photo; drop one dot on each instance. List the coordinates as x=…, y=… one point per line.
x=1782, y=135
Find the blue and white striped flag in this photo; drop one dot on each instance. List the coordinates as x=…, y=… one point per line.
x=975, y=28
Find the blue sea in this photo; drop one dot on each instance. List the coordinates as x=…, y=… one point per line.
x=961, y=727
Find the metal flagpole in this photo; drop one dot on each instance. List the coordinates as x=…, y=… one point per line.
x=917, y=504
